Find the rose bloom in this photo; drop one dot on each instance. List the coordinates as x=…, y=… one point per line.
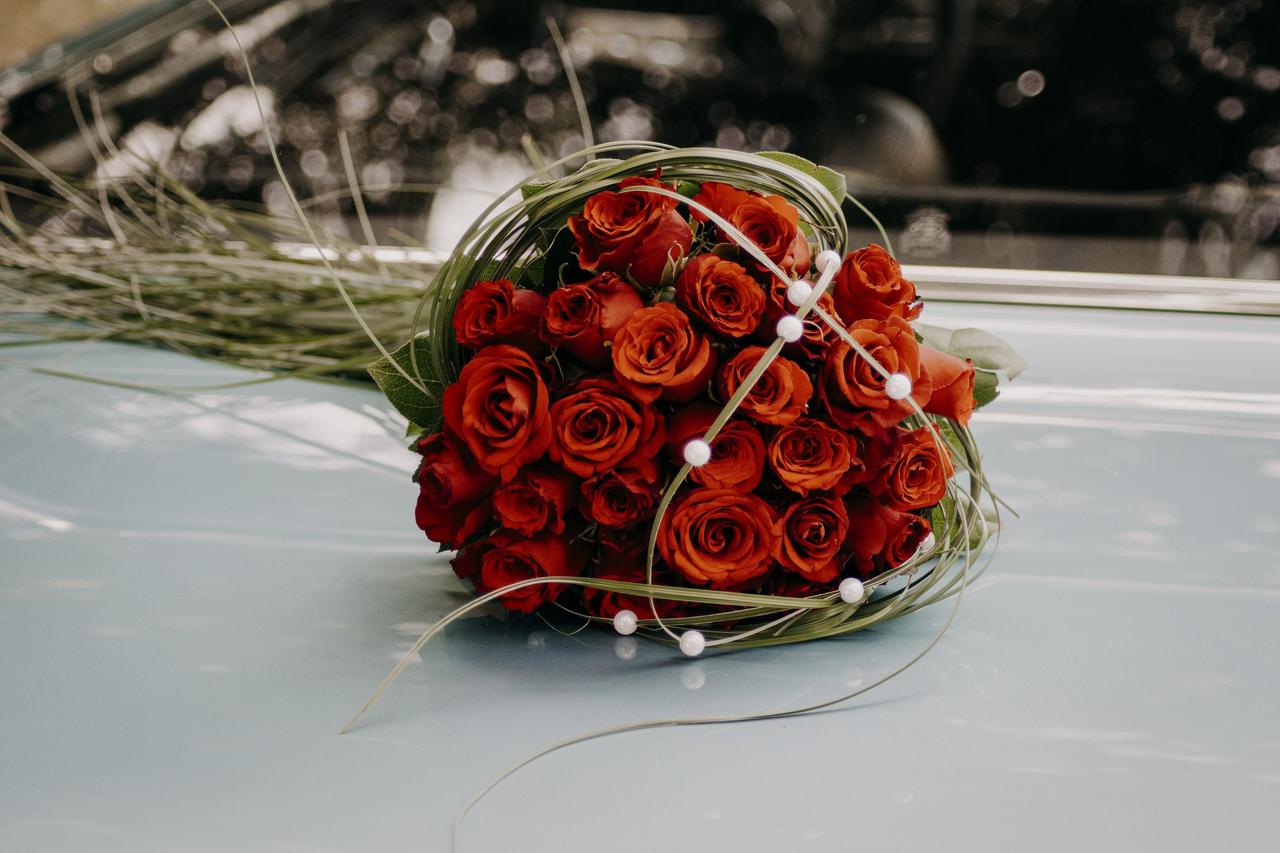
x=808, y=455
x=658, y=354
x=854, y=391
x=630, y=233
x=453, y=492
x=810, y=535
x=918, y=477
x=506, y=558
x=874, y=454
x=595, y=428
x=771, y=222
x=818, y=337
x=951, y=381
x=619, y=497
x=870, y=286
x=499, y=408
x=737, y=451
x=780, y=394
x=495, y=312
x=718, y=537
x=582, y=319
x=537, y=499
x=721, y=294
x=881, y=538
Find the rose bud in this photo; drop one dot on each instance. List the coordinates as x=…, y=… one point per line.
x=718, y=537
x=499, y=408
x=881, y=538
x=582, y=319
x=854, y=391
x=631, y=233
x=506, y=558
x=870, y=286
x=810, y=535
x=809, y=456
x=658, y=354
x=737, y=451
x=951, y=379
x=495, y=312
x=780, y=394
x=918, y=476
x=818, y=337
x=721, y=294
x=453, y=492
x=536, y=500
x=619, y=497
x=596, y=428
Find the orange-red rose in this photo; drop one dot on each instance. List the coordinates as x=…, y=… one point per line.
x=810, y=535
x=499, y=407
x=496, y=312
x=619, y=497
x=879, y=537
x=737, y=452
x=718, y=537
x=596, y=428
x=506, y=558
x=854, y=391
x=779, y=395
x=771, y=222
x=583, y=319
x=918, y=477
x=657, y=353
x=631, y=233
x=453, y=492
x=870, y=286
x=536, y=500
x=808, y=456
x=721, y=294
x=951, y=381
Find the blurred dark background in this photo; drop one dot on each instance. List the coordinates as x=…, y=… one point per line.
x=1054, y=134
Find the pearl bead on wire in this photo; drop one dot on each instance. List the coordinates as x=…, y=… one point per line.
x=790, y=328
x=825, y=259
x=851, y=590
x=624, y=622
x=692, y=643
x=898, y=386
x=697, y=453
x=798, y=291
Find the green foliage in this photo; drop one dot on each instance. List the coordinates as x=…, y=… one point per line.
x=831, y=180
x=421, y=407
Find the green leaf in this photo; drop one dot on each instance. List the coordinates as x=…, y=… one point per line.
x=984, y=388
x=420, y=407
x=832, y=180
x=984, y=349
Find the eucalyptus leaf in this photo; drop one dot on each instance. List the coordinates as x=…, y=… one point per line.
x=984, y=349
x=985, y=388
x=420, y=407
x=831, y=180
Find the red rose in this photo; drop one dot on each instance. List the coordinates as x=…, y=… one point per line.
x=918, y=477
x=810, y=535
x=721, y=294
x=718, y=537
x=854, y=391
x=632, y=233
x=791, y=585
x=583, y=319
x=881, y=538
x=771, y=222
x=595, y=428
x=951, y=379
x=818, y=337
x=536, y=500
x=721, y=199
x=873, y=454
x=778, y=397
x=619, y=497
x=737, y=452
x=506, y=558
x=658, y=354
x=810, y=456
x=870, y=286
x=495, y=312
x=498, y=407
x=453, y=492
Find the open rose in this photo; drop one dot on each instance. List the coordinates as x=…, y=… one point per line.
x=737, y=452
x=596, y=428
x=506, y=558
x=951, y=381
x=495, y=312
x=771, y=222
x=879, y=537
x=619, y=497
x=918, y=477
x=499, y=408
x=721, y=294
x=453, y=492
x=809, y=456
x=810, y=535
x=583, y=319
x=658, y=354
x=718, y=537
x=817, y=338
x=854, y=391
x=779, y=395
x=874, y=453
x=536, y=500
x=631, y=233
x=870, y=286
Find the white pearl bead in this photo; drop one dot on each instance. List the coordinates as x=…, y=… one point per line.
x=798, y=292
x=825, y=259
x=697, y=453
x=898, y=386
x=624, y=622
x=692, y=643
x=851, y=590
x=790, y=328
